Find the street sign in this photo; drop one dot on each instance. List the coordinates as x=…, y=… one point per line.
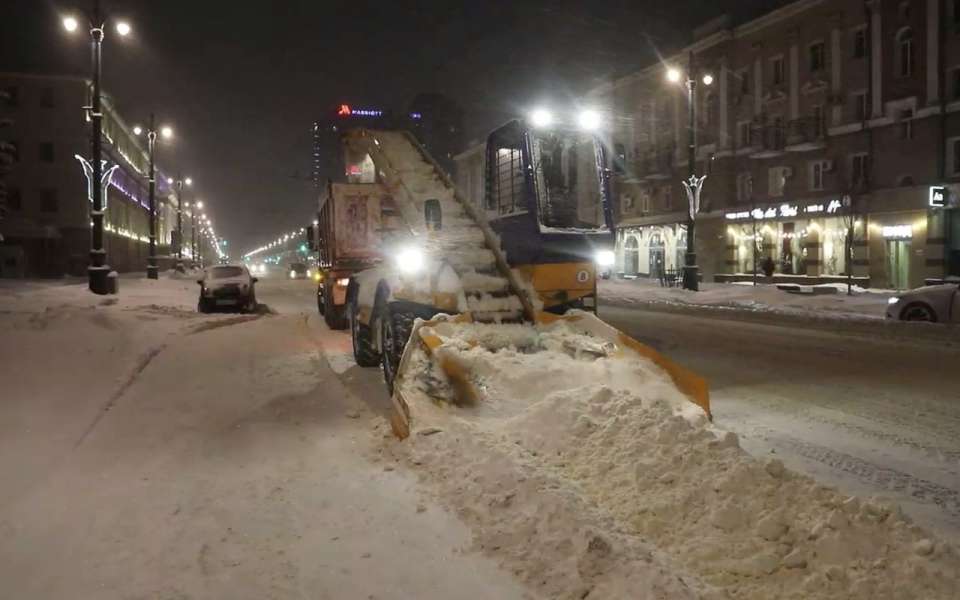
x=938, y=196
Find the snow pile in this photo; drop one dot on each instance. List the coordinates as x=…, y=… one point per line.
x=575, y=448
x=863, y=304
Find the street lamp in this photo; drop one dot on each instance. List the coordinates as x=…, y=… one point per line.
x=693, y=184
x=198, y=205
x=98, y=270
x=152, y=151
x=180, y=183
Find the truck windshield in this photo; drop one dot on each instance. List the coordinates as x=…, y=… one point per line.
x=568, y=180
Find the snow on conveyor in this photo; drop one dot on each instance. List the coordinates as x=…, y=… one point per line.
x=590, y=475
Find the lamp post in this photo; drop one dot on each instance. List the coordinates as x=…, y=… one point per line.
x=693, y=185
x=198, y=205
x=98, y=269
x=152, y=134
x=180, y=182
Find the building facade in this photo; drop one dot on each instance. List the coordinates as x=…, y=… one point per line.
x=46, y=228
x=825, y=127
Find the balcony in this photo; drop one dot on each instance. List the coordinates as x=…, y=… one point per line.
x=769, y=140
x=808, y=133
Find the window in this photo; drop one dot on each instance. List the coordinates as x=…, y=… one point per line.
x=13, y=199
x=46, y=152
x=953, y=148
x=955, y=82
x=904, y=58
x=860, y=43
x=667, y=193
x=745, y=187
x=48, y=200
x=859, y=101
x=818, y=122
x=777, y=67
x=818, y=58
x=645, y=201
x=860, y=169
x=46, y=97
x=744, y=134
x=626, y=203
x=777, y=180
x=904, y=10
x=906, y=123
x=817, y=169
x=711, y=108
x=744, y=81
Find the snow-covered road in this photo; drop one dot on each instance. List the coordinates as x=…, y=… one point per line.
x=150, y=452
x=871, y=416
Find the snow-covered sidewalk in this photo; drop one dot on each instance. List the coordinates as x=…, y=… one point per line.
x=822, y=301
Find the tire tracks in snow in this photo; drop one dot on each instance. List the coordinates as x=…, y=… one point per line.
x=884, y=478
x=139, y=368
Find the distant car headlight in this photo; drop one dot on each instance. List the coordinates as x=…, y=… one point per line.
x=293, y=274
x=410, y=260
x=309, y=274
x=317, y=276
x=893, y=300
x=606, y=258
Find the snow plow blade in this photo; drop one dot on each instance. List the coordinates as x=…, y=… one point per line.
x=437, y=363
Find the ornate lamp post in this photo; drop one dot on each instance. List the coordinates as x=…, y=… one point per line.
x=152, y=134
x=693, y=185
x=98, y=269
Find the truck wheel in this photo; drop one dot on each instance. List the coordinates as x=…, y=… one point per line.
x=363, y=351
x=335, y=316
x=395, y=328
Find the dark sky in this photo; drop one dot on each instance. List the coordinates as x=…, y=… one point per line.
x=242, y=81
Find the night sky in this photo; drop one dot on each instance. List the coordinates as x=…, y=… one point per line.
x=242, y=81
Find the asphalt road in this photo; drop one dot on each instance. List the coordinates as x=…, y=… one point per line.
x=871, y=416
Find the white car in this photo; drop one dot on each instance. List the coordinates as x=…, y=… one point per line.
x=227, y=285
x=932, y=303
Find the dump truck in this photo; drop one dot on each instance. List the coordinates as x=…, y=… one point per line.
x=443, y=259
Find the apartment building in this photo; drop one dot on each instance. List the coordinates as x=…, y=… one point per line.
x=824, y=118
x=46, y=228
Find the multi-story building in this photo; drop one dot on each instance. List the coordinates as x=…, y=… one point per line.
x=824, y=117
x=47, y=227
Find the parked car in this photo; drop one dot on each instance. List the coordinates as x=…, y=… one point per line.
x=227, y=285
x=932, y=303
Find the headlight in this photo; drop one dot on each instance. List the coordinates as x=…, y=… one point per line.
x=293, y=274
x=410, y=260
x=606, y=258
x=343, y=282
x=893, y=300
x=589, y=120
x=309, y=274
x=317, y=276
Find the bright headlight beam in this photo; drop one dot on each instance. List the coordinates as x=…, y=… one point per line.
x=588, y=120
x=410, y=260
x=606, y=258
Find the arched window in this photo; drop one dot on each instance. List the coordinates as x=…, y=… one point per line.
x=904, y=58
x=656, y=253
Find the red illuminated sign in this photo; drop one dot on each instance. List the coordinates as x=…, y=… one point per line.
x=344, y=110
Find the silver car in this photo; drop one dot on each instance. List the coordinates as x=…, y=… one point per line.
x=932, y=303
x=227, y=285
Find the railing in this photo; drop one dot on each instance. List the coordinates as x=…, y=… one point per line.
x=806, y=130
x=771, y=137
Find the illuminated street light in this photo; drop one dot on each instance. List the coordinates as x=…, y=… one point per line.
x=708, y=79
x=70, y=24
x=137, y=130
x=673, y=75
x=188, y=181
x=541, y=118
x=589, y=120
x=123, y=28
x=166, y=132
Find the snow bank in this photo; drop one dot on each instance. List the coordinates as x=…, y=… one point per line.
x=864, y=304
x=585, y=473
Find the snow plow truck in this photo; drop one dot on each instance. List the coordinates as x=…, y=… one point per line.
x=521, y=257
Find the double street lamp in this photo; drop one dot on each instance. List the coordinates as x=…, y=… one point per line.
x=693, y=185
x=98, y=270
x=180, y=183
x=198, y=205
x=165, y=132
